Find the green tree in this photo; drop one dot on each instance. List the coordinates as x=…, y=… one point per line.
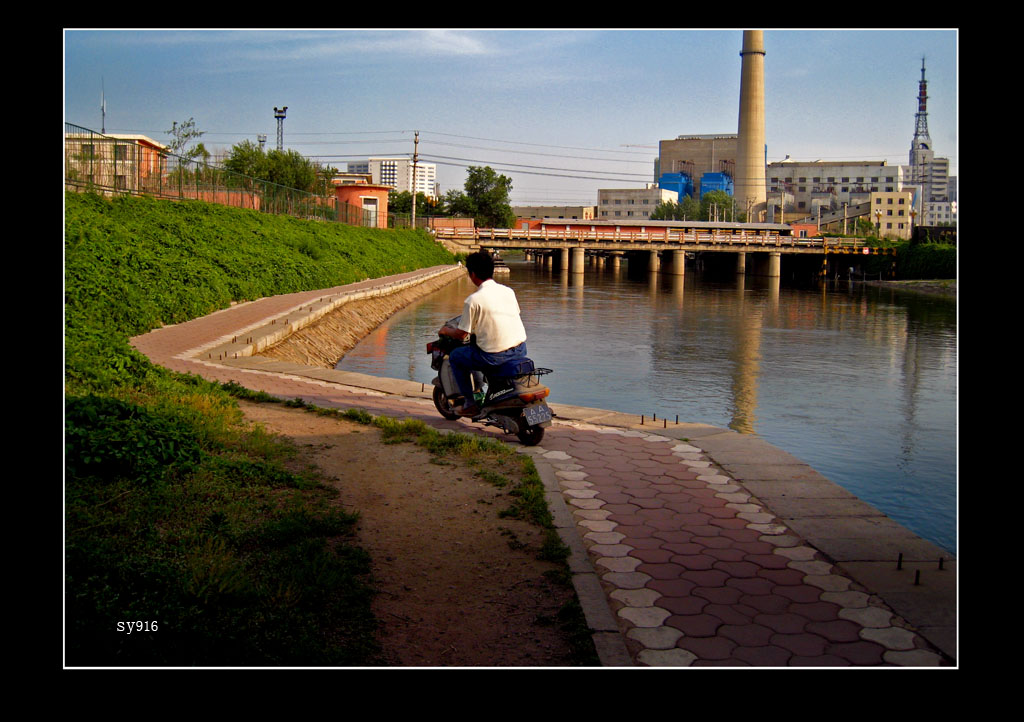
x=721, y=203
x=248, y=159
x=457, y=203
x=487, y=193
x=687, y=209
x=324, y=177
x=183, y=135
x=866, y=227
x=402, y=203
x=666, y=211
x=290, y=169
x=283, y=167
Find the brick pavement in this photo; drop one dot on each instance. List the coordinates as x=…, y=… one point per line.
x=676, y=562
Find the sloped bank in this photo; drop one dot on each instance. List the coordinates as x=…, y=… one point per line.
x=324, y=341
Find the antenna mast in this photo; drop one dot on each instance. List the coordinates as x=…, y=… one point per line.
x=921, y=118
x=279, y=114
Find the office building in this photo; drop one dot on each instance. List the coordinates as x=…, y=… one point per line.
x=397, y=173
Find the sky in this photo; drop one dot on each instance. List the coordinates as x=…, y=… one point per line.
x=562, y=112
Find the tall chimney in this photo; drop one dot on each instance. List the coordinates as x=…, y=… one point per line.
x=749, y=188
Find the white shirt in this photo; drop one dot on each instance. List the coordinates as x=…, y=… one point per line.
x=492, y=313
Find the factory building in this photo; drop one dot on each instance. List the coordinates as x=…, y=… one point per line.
x=631, y=203
x=576, y=213
x=683, y=162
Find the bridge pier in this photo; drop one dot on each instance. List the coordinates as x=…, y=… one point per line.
x=677, y=264
x=741, y=263
x=578, y=260
x=774, y=264
x=616, y=260
x=653, y=262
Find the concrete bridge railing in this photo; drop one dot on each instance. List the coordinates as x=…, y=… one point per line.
x=699, y=240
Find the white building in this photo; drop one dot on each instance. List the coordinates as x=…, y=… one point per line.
x=631, y=203
x=830, y=185
x=938, y=213
x=398, y=174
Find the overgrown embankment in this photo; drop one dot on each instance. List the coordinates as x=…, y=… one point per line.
x=133, y=264
x=187, y=541
x=913, y=261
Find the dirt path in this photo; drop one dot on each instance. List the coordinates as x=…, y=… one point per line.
x=458, y=585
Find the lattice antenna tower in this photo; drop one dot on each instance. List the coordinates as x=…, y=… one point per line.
x=279, y=114
x=921, y=119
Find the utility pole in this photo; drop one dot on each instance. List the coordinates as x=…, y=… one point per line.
x=415, y=157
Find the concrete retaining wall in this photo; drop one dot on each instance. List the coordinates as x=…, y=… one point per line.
x=324, y=341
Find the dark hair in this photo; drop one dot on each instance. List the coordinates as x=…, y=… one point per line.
x=481, y=264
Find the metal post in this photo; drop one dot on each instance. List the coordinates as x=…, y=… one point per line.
x=415, y=157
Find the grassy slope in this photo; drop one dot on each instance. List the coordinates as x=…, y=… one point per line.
x=177, y=519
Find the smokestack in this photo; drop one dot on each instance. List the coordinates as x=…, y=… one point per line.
x=749, y=184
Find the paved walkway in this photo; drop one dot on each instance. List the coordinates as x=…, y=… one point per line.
x=692, y=545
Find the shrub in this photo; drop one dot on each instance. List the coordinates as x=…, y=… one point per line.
x=107, y=439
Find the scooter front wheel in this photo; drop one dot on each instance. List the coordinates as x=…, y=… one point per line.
x=444, y=404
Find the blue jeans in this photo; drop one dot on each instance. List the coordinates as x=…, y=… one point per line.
x=468, y=358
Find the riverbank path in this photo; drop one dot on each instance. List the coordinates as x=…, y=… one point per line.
x=691, y=545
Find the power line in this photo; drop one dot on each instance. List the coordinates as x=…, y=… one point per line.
x=538, y=145
x=522, y=165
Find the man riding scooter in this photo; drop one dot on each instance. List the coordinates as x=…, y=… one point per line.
x=491, y=313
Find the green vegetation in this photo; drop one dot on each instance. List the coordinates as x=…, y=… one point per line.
x=925, y=260
x=913, y=260
x=187, y=539
x=133, y=264
x=286, y=168
x=401, y=204
x=713, y=205
x=485, y=199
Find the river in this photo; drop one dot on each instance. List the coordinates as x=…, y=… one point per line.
x=858, y=381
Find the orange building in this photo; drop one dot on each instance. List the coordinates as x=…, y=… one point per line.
x=113, y=162
x=805, y=230
x=363, y=204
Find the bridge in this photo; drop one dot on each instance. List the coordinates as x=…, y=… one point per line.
x=568, y=242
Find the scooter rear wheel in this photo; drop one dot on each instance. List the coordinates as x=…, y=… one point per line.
x=530, y=435
x=444, y=404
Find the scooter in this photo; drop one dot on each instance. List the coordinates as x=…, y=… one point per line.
x=510, y=397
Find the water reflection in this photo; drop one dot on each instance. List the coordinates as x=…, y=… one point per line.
x=857, y=381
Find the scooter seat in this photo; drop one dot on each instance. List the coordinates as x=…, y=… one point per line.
x=515, y=367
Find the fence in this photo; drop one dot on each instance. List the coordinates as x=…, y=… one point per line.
x=134, y=164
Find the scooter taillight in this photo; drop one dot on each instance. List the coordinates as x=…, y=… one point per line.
x=431, y=347
x=535, y=395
